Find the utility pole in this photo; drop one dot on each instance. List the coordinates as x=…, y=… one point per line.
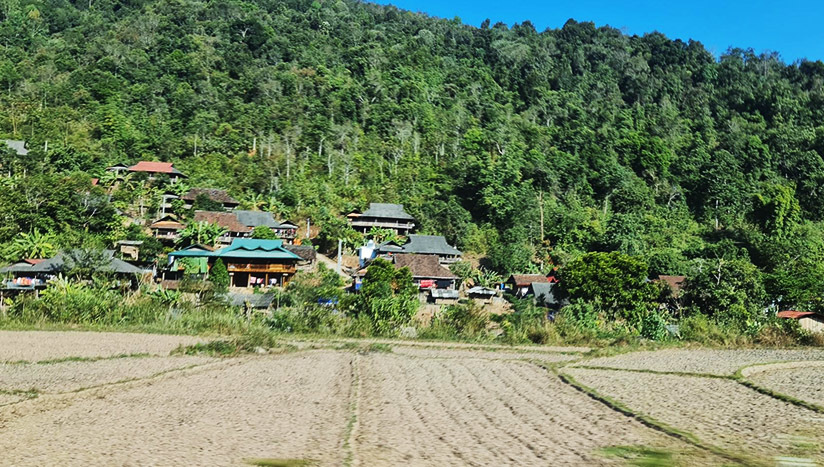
x=340, y=257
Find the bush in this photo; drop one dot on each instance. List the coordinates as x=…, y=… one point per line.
x=465, y=320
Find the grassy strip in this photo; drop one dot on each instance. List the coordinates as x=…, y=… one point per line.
x=655, y=372
x=280, y=462
x=739, y=378
x=78, y=359
x=650, y=422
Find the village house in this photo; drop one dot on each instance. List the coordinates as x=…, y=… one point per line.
x=250, y=262
x=384, y=216
x=153, y=169
x=427, y=272
x=241, y=224
x=545, y=294
x=212, y=194
x=20, y=276
x=166, y=229
x=808, y=320
x=422, y=245
x=31, y=274
x=520, y=284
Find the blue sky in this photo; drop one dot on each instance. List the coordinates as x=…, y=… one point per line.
x=793, y=28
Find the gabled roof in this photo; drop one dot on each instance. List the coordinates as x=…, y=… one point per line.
x=227, y=220
x=388, y=211
x=791, y=314
x=155, y=167
x=524, y=280
x=248, y=248
x=214, y=194
x=256, y=218
x=17, y=146
x=423, y=266
x=544, y=293
x=21, y=266
x=194, y=251
x=306, y=252
x=64, y=260
x=389, y=247
x=430, y=245
x=167, y=222
x=255, y=248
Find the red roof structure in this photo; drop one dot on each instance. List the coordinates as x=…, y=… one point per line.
x=155, y=167
x=523, y=280
x=792, y=314
x=676, y=283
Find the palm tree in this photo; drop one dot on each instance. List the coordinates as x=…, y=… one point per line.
x=203, y=233
x=34, y=245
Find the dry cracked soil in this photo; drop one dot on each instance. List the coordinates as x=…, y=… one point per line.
x=76, y=398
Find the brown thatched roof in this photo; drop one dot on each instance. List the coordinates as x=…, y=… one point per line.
x=227, y=220
x=524, y=280
x=423, y=266
x=219, y=196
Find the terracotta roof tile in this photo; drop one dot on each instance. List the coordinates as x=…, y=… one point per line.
x=154, y=167
x=792, y=314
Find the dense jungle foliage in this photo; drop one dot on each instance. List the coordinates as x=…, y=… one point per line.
x=527, y=148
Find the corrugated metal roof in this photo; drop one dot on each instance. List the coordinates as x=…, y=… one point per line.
x=444, y=293
x=247, y=248
x=478, y=290
x=17, y=146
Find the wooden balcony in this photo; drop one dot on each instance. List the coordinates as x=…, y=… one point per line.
x=383, y=224
x=262, y=268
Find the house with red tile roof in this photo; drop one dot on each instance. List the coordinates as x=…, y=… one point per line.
x=808, y=320
x=154, y=169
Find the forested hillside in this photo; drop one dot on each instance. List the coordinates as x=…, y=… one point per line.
x=528, y=148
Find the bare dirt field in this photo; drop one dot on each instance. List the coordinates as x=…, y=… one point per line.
x=802, y=380
x=707, y=361
x=393, y=404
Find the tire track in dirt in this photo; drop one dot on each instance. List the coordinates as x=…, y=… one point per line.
x=352, y=428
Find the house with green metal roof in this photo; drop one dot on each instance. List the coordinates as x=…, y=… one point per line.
x=250, y=262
